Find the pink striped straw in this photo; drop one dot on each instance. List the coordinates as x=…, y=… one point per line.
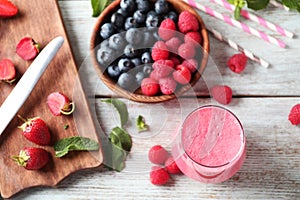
x=236, y=23
x=255, y=18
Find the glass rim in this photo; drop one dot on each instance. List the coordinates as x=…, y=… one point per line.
x=238, y=154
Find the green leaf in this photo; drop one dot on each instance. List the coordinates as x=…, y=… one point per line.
x=121, y=108
x=141, y=124
x=292, y=4
x=99, y=5
x=76, y=143
x=121, y=138
x=257, y=4
x=237, y=13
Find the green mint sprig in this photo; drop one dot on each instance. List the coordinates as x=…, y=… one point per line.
x=99, y=5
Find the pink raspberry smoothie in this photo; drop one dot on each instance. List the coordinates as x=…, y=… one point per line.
x=211, y=145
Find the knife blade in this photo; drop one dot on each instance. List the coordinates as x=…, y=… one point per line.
x=25, y=85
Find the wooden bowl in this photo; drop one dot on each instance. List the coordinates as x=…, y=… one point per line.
x=137, y=95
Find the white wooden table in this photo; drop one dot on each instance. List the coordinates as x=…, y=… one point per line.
x=262, y=101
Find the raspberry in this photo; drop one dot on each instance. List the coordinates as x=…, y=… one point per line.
x=162, y=68
x=171, y=166
x=159, y=176
x=191, y=64
x=222, y=94
x=149, y=87
x=158, y=155
x=294, y=115
x=167, y=29
x=167, y=85
x=173, y=44
x=187, y=50
x=175, y=59
x=159, y=51
x=237, y=62
x=182, y=75
x=187, y=22
x=193, y=37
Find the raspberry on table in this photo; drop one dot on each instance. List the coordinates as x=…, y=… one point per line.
x=149, y=87
x=187, y=50
x=294, y=116
x=167, y=85
x=237, y=63
x=171, y=166
x=159, y=51
x=159, y=176
x=173, y=44
x=222, y=94
x=167, y=29
x=158, y=154
x=187, y=22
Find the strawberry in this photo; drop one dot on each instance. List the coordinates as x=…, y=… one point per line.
x=59, y=103
x=32, y=158
x=7, y=71
x=27, y=48
x=222, y=94
x=7, y=9
x=35, y=130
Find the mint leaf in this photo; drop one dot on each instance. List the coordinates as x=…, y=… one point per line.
x=141, y=124
x=121, y=139
x=115, y=157
x=292, y=4
x=257, y=4
x=99, y=5
x=76, y=143
x=121, y=108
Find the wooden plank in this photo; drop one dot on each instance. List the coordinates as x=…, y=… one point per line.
x=61, y=75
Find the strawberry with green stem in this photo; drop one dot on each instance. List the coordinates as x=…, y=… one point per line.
x=59, y=103
x=27, y=48
x=35, y=130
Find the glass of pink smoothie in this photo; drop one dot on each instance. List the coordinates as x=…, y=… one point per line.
x=210, y=146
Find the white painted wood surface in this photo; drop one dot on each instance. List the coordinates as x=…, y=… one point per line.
x=263, y=98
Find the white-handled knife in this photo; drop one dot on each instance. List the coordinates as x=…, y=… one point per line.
x=22, y=90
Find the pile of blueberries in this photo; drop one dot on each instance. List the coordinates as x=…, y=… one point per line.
x=127, y=38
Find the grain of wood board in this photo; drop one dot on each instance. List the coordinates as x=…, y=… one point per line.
x=61, y=75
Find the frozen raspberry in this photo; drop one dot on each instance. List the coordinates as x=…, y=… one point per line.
x=294, y=115
x=222, y=94
x=193, y=37
x=163, y=68
x=167, y=29
x=167, y=85
x=182, y=75
x=149, y=87
x=191, y=64
x=160, y=51
x=237, y=63
x=159, y=176
x=187, y=22
x=158, y=155
x=187, y=50
x=173, y=44
x=171, y=166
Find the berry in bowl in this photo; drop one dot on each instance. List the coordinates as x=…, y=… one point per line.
x=149, y=51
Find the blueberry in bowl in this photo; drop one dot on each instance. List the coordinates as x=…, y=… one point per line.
x=149, y=50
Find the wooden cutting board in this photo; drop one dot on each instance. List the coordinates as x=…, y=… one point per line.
x=42, y=21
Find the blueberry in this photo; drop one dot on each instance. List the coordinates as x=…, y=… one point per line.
x=127, y=81
x=146, y=57
x=147, y=69
x=127, y=5
x=130, y=51
x=139, y=77
x=130, y=23
x=124, y=13
x=105, y=55
x=161, y=7
x=104, y=44
x=172, y=15
x=136, y=61
x=118, y=20
x=133, y=36
x=139, y=17
x=149, y=39
x=152, y=21
x=125, y=65
x=151, y=13
x=117, y=41
x=113, y=71
x=107, y=30
x=143, y=5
